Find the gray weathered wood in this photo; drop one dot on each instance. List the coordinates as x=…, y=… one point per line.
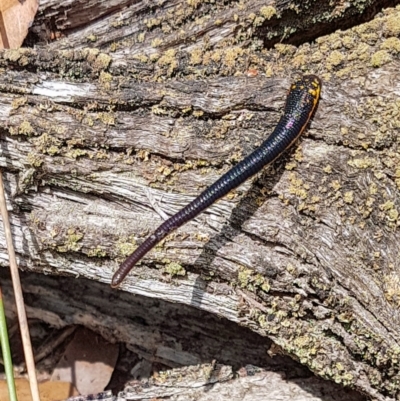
x=104, y=135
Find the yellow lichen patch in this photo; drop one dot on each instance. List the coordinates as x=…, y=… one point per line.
x=25, y=128
x=391, y=286
x=12, y=54
x=299, y=60
x=59, y=129
x=106, y=118
x=203, y=237
x=291, y=165
x=392, y=25
x=105, y=79
x=397, y=177
x=258, y=21
x=317, y=57
x=194, y=3
x=334, y=59
x=284, y=49
x=125, y=246
x=368, y=207
x=379, y=58
x=141, y=57
x=315, y=199
x=365, y=29
x=165, y=170
x=348, y=42
x=297, y=186
x=46, y=143
x=101, y=155
x=216, y=55
x=91, y=38
x=71, y=243
x=34, y=160
x=75, y=141
x=156, y=42
x=360, y=53
x=102, y=62
x=75, y=153
x=151, y=22
x=198, y=113
x=90, y=54
x=335, y=184
x=159, y=111
x=391, y=44
x=166, y=28
x=268, y=12
x=387, y=205
x=391, y=213
x=231, y=55
x=97, y=252
x=114, y=47
x=52, y=150
x=379, y=175
x=362, y=163
x=298, y=154
x=291, y=269
x=174, y=269
x=207, y=57
x=196, y=56
x=168, y=59
x=143, y=154
x=348, y=197
x=373, y=188
x=251, y=280
x=18, y=102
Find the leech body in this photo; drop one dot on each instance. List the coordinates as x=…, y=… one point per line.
x=300, y=105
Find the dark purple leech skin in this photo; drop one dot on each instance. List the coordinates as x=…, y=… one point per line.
x=300, y=105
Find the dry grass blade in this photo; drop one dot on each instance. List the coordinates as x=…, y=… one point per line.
x=23, y=322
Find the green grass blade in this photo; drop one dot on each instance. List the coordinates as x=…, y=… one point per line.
x=5, y=348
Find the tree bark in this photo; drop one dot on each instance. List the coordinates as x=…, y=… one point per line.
x=130, y=112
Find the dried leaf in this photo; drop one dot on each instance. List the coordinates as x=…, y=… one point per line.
x=88, y=362
x=16, y=17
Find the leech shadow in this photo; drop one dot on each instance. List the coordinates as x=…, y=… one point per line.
x=242, y=212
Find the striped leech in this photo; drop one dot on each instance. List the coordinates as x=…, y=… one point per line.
x=300, y=105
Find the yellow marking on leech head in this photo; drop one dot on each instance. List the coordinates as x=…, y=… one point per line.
x=313, y=92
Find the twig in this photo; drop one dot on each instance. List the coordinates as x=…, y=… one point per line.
x=51, y=344
x=19, y=300
x=154, y=204
x=5, y=349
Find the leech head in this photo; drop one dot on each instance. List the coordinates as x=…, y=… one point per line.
x=305, y=91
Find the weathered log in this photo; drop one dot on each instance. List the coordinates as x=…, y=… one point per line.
x=186, y=340
x=109, y=130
